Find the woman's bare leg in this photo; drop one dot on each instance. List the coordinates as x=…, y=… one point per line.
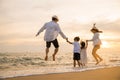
x=96, y=56
x=94, y=53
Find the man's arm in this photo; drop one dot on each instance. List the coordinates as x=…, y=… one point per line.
x=69, y=41
x=41, y=30
x=61, y=33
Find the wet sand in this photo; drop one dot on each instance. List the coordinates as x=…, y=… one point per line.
x=99, y=74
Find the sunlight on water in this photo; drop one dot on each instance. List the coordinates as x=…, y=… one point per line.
x=105, y=44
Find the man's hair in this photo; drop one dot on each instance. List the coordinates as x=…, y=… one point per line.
x=54, y=19
x=77, y=38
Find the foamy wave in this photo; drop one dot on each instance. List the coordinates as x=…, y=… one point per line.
x=16, y=65
x=52, y=70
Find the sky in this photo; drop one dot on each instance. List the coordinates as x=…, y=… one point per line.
x=21, y=19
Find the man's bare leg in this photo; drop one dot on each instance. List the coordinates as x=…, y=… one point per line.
x=55, y=52
x=47, y=51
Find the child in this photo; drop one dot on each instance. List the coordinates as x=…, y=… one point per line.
x=96, y=42
x=76, y=55
x=83, y=53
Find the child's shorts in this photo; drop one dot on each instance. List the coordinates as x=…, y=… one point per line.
x=76, y=56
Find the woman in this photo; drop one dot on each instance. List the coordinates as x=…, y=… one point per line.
x=96, y=42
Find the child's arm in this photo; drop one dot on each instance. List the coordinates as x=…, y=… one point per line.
x=69, y=41
x=86, y=44
x=89, y=40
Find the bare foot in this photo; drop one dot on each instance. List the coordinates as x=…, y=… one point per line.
x=101, y=60
x=97, y=63
x=53, y=57
x=46, y=58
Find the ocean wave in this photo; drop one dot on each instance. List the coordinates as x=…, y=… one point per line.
x=16, y=65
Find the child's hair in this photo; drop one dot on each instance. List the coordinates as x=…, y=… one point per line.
x=77, y=38
x=82, y=44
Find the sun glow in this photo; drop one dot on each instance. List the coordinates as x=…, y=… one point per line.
x=112, y=18
x=105, y=44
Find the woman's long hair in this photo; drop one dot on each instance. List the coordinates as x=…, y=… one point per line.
x=96, y=30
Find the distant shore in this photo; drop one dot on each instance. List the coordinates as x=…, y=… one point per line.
x=98, y=74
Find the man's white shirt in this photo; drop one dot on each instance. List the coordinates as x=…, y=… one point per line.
x=52, y=31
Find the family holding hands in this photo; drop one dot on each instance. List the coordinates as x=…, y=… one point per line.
x=80, y=48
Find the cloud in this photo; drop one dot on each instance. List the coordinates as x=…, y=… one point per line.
x=21, y=19
x=113, y=27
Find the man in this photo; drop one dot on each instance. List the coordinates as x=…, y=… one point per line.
x=52, y=31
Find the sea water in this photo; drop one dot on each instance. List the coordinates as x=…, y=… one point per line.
x=24, y=64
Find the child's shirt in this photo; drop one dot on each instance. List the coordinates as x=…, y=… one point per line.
x=76, y=47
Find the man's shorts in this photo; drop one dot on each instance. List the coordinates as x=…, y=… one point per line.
x=55, y=43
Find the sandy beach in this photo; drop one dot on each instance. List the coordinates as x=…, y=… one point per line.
x=99, y=74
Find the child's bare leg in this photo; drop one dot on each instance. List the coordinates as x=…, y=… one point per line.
x=78, y=63
x=83, y=64
x=74, y=63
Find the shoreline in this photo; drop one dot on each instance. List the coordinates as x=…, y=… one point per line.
x=49, y=70
x=109, y=73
